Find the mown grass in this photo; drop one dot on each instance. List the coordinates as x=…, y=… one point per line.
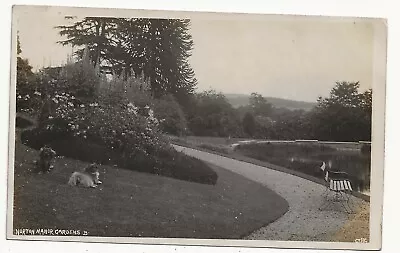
x=166, y=162
x=135, y=204
x=305, y=158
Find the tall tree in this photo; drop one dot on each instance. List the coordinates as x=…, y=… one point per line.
x=92, y=32
x=249, y=124
x=259, y=105
x=345, y=115
x=24, y=69
x=157, y=48
x=344, y=94
x=25, y=80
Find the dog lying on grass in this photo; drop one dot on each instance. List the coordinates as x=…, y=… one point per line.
x=89, y=177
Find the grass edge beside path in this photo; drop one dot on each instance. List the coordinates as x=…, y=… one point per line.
x=155, y=206
x=247, y=159
x=357, y=224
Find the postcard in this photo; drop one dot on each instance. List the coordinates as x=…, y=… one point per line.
x=196, y=128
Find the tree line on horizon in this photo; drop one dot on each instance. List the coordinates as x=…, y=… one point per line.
x=343, y=116
x=158, y=50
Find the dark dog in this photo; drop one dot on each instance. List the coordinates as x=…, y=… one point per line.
x=46, y=157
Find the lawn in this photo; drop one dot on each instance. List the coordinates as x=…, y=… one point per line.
x=135, y=204
x=217, y=144
x=357, y=226
x=211, y=140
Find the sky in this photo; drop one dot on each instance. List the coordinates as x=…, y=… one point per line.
x=292, y=57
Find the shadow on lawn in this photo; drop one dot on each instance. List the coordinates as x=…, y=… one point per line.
x=132, y=204
x=167, y=162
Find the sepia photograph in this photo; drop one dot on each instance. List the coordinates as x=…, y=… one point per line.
x=196, y=128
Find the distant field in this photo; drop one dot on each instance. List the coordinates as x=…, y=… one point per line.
x=225, y=142
x=237, y=100
x=209, y=140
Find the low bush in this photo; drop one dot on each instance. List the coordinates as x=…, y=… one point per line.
x=212, y=115
x=172, y=118
x=21, y=122
x=165, y=162
x=110, y=126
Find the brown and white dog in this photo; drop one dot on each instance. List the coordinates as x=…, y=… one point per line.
x=89, y=177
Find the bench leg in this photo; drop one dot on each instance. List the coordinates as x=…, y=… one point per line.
x=338, y=196
x=346, y=204
x=327, y=201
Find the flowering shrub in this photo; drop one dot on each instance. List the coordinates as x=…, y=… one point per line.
x=28, y=95
x=112, y=120
x=80, y=78
x=106, y=125
x=115, y=130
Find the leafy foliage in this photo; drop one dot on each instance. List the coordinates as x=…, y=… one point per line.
x=83, y=119
x=91, y=32
x=345, y=115
x=249, y=124
x=77, y=107
x=157, y=48
x=212, y=115
x=148, y=59
x=259, y=105
x=26, y=86
x=172, y=118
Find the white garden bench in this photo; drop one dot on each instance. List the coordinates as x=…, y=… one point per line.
x=339, y=184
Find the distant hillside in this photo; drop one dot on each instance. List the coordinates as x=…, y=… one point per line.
x=237, y=100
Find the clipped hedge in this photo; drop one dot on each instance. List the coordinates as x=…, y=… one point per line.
x=165, y=162
x=21, y=122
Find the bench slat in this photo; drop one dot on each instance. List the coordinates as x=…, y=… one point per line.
x=339, y=186
x=346, y=187
x=342, y=186
x=348, y=182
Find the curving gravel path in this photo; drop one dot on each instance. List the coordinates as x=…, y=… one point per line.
x=303, y=221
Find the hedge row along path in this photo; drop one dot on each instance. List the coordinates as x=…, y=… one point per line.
x=303, y=221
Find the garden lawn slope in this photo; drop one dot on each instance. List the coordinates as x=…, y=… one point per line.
x=130, y=203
